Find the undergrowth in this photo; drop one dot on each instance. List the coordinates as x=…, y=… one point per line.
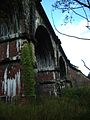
x=73, y=105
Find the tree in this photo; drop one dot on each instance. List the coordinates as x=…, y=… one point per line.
x=87, y=68
x=88, y=75
x=71, y=7
x=74, y=6
x=85, y=64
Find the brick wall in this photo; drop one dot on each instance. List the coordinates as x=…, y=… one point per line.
x=45, y=76
x=78, y=78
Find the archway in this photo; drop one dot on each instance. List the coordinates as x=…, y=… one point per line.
x=62, y=68
x=43, y=49
x=45, y=61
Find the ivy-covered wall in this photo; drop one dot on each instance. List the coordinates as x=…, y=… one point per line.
x=28, y=73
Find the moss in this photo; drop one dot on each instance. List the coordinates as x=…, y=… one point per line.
x=28, y=73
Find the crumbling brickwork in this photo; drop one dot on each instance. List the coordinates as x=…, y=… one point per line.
x=77, y=78
x=25, y=21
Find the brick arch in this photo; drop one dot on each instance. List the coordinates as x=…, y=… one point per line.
x=43, y=49
x=62, y=67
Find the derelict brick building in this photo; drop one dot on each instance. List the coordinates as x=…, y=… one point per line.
x=25, y=21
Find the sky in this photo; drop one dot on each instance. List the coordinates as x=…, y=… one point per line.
x=75, y=49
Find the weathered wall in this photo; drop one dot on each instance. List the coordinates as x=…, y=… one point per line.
x=10, y=68
x=10, y=79
x=26, y=18
x=77, y=78
x=49, y=66
x=10, y=46
x=24, y=21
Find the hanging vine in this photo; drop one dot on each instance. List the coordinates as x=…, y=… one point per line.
x=27, y=61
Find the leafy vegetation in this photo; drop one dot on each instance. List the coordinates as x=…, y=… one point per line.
x=74, y=105
x=27, y=61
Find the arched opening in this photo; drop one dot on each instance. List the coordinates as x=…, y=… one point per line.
x=43, y=49
x=62, y=68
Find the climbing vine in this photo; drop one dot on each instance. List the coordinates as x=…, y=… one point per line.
x=27, y=61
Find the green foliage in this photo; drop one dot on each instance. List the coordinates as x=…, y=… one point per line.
x=81, y=92
x=27, y=61
x=67, y=107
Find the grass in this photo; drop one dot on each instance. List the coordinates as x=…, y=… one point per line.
x=73, y=105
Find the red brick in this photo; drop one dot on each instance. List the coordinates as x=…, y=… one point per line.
x=45, y=76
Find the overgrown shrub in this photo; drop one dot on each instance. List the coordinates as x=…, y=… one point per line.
x=28, y=74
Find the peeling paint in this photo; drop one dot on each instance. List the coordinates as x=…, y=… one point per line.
x=55, y=91
x=10, y=84
x=18, y=81
x=18, y=45
x=7, y=50
x=51, y=71
x=54, y=75
x=5, y=81
x=14, y=58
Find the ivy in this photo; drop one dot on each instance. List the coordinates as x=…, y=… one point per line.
x=28, y=73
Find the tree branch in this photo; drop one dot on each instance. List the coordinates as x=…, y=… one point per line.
x=64, y=33
x=85, y=5
x=80, y=15
x=85, y=65
x=88, y=2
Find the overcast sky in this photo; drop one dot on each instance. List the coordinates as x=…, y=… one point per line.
x=74, y=49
